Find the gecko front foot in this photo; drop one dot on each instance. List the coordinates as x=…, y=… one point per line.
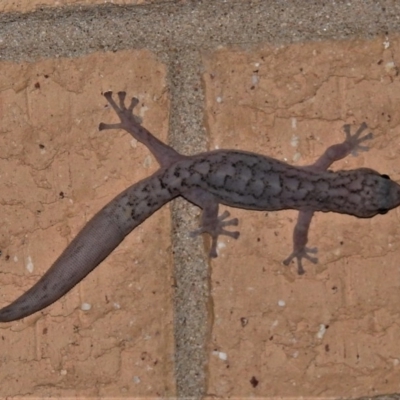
x=128, y=119
x=215, y=227
x=353, y=141
x=299, y=254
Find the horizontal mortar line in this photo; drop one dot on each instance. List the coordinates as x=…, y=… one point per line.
x=77, y=30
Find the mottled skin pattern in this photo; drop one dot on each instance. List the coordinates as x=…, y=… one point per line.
x=231, y=177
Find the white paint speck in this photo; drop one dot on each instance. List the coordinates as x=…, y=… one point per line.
x=148, y=161
x=275, y=323
x=29, y=264
x=294, y=141
x=386, y=43
x=294, y=123
x=390, y=66
x=257, y=65
x=219, y=99
x=296, y=157
x=321, y=331
x=281, y=303
x=221, y=245
x=116, y=306
x=134, y=143
x=221, y=355
x=295, y=354
x=142, y=112
x=255, y=79
x=136, y=379
x=86, y=306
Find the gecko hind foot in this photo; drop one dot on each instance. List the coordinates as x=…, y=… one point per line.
x=125, y=114
x=299, y=255
x=355, y=140
x=215, y=228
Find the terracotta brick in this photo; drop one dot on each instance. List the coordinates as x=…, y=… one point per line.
x=57, y=170
x=329, y=332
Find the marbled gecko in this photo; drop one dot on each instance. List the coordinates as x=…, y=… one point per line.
x=231, y=177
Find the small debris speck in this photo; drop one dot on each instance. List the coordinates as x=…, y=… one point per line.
x=281, y=303
x=254, y=381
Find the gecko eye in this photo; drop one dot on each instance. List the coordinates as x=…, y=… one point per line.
x=382, y=211
x=385, y=176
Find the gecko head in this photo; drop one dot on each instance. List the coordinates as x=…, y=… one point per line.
x=369, y=193
x=382, y=194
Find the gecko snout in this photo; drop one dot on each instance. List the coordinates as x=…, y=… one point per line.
x=390, y=198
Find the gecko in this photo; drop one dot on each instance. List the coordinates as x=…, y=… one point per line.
x=230, y=177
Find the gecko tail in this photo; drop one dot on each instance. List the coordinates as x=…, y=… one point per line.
x=89, y=248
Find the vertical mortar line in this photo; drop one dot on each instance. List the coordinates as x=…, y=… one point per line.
x=192, y=292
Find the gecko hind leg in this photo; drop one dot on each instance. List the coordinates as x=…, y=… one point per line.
x=299, y=255
x=300, y=239
x=215, y=227
x=211, y=222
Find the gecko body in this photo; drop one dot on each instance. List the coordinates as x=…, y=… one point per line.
x=230, y=177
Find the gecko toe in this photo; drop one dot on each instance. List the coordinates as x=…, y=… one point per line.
x=121, y=97
x=233, y=235
x=230, y=222
x=134, y=103
x=224, y=215
x=103, y=126
x=108, y=94
x=213, y=251
x=197, y=232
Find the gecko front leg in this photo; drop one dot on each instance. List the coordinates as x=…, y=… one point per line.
x=164, y=154
x=352, y=144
